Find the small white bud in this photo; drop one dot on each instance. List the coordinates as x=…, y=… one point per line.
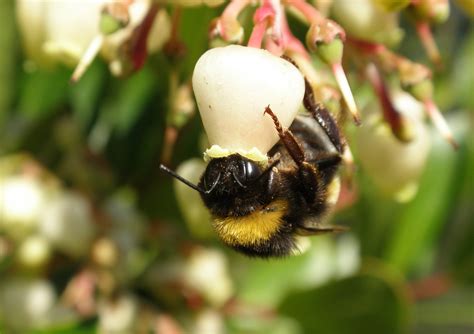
x=118, y=315
x=21, y=201
x=34, y=252
x=25, y=303
x=234, y=84
x=206, y=271
x=67, y=223
x=209, y=321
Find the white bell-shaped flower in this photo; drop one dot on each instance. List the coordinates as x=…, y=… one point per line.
x=233, y=85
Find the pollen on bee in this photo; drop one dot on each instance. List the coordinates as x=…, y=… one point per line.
x=253, y=229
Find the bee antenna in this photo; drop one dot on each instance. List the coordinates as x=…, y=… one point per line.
x=180, y=178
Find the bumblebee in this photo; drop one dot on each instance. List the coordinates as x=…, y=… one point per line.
x=259, y=210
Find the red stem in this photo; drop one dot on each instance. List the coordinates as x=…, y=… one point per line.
x=391, y=115
x=426, y=36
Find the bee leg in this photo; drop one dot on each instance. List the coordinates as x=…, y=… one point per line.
x=314, y=230
x=307, y=173
x=287, y=138
x=326, y=160
x=323, y=117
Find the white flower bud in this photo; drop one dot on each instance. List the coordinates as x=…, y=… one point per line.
x=58, y=30
x=393, y=166
x=118, y=315
x=62, y=31
x=206, y=271
x=25, y=304
x=67, y=223
x=209, y=321
x=34, y=252
x=233, y=85
x=367, y=20
x=21, y=201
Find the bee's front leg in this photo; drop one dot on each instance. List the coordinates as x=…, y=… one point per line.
x=287, y=138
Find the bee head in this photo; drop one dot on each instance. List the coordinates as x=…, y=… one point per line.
x=229, y=175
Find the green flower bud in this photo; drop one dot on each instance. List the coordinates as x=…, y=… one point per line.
x=331, y=53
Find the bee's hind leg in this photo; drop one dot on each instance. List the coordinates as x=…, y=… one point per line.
x=323, y=117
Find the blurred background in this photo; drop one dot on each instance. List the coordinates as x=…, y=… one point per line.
x=93, y=238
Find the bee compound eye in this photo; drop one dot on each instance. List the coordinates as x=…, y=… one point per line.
x=252, y=171
x=246, y=173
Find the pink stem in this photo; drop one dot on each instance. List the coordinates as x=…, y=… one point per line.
x=87, y=58
x=230, y=13
x=264, y=17
x=439, y=122
x=234, y=8
x=311, y=13
x=290, y=42
x=391, y=115
x=426, y=36
x=258, y=32
x=341, y=79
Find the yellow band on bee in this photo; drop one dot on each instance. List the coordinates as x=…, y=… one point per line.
x=253, y=229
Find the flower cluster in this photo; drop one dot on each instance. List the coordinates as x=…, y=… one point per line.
x=84, y=240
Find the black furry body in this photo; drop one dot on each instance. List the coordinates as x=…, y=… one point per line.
x=302, y=166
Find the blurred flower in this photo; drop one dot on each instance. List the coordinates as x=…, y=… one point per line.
x=25, y=303
x=62, y=31
x=233, y=85
x=347, y=259
x=127, y=224
x=393, y=166
x=206, y=271
x=33, y=252
x=58, y=30
x=196, y=215
x=105, y=253
x=366, y=19
x=21, y=201
x=209, y=321
x=183, y=106
x=68, y=224
x=118, y=315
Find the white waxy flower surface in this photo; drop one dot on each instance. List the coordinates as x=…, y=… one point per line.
x=233, y=85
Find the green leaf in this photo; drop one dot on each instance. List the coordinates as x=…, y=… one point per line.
x=462, y=76
x=42, y=93
x=7, y=57
x=85, y=94
x=267, y=282
x=370, y=302
x=194, y=33
x=133, y=97
x=88, y=327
